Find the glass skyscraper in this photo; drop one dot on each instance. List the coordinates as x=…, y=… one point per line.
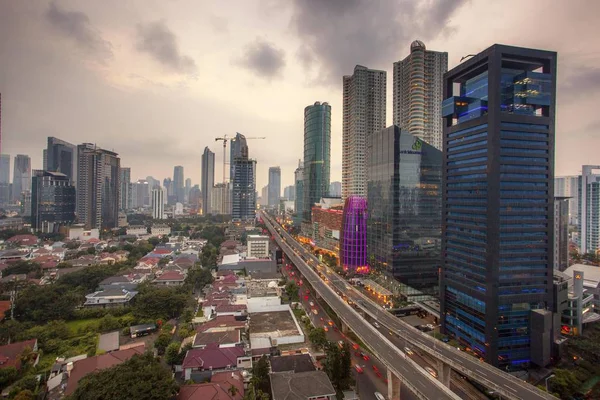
x=52, y=201
x=274, y=189
x=207, y=180
x=243, y=191
x=497, y=227
x=60, y=157
x=299, y=202
x=317, y=155
x=405, y=206
x=353, y=237
x=588, y=195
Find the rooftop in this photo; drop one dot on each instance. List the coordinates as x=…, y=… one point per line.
x=213, y=357
x=9, y=354
x=109, y=341
x=222, y=337
x=294, y=363
x=300, y=386
x=591, y=274
x=274, y=323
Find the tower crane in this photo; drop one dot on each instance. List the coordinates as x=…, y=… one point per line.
x=225, y=138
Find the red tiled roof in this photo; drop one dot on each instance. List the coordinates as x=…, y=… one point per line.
x=212, y=356
x=226, y=337
x=150, y=260
x=228, y=379
x=93, y=240
x=171, y=276
x=4, y=307
x=23, y=239
x=224, y=321
x=9, y=354
x=51, y=264
x=86, y=366
x=162, y=251
x=229, y=279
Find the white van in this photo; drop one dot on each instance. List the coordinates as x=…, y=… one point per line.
x=379, y=396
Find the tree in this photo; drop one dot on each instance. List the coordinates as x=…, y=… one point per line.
x=260, y=375
x=162, y=342
x=172, y=353
x=154, y=241
x=199, y=277
x=24, y=395
x=42, y=304
x=233, y=390
x=7, y=376
x=338, y=366
x=159, y=303
x=140, y=378
x=564, y=383
x=292, y=291
x=317, y=337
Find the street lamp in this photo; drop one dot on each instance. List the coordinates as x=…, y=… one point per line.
x=547, y=379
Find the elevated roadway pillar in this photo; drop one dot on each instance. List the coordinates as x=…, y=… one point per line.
x=444, y=371
x=394, y=384
x=345, y=328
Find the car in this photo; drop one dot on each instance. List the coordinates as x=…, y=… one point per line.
x=330, y=322
x=325, y=328
x=341, y=344
x=431, y=371
x=358, y=368
x=391, y=333
x=430, y=326
x=355, y=346
x=379, y=396
x=378, y=374
x=312, y=304
x=365, y=356
x=376, y=325
x=375, y=368
x=408, y=351
x=315, y=311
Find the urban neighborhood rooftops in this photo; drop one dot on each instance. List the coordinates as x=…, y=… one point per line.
x=301, y=386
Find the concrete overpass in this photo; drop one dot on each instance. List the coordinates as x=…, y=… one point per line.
x=448, y=357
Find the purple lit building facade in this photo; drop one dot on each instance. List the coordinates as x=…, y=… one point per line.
x=353, y=238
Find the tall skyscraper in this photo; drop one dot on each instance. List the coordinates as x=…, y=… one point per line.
x=125, y=192
x=21, y=176
x=207, y=180
x=274, y=186
x=98, y=188
x=60, y=157
x=237, y=147
x=243, y=191
x=498, y=225
x=289, y=193
x=363, y=114
x=140, y=194
x=418, y=93
x=45, y=159
x=264, y=196
x=299, y=203
x=353, y=237
x=220, y=199
x=178, y=190
x=158, y=203
x=195, y=198
x=317, y=155
x=568, y=186
x=335, y=189
x=52, y=201
x=589, y=209
x=4, y=178
x=405, y=209
x=561, y=233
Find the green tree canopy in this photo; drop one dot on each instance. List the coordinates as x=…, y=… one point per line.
x=159, y=303
x=338, y=366
x=317, y=337
x=140, y=378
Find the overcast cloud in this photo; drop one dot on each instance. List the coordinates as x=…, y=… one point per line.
x=158, y=81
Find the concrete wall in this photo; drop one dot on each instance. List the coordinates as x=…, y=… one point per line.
x=263, y=304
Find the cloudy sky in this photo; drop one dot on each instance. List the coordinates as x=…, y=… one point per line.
x=158, y=80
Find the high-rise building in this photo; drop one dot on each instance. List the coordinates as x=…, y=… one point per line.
x=589, y=209
x=98, y=187
x=52, y=201
x=498, y=225
x=353, y=237
x=299, y=202
x=220, y=199
x=289, y=193
x=405, y=209
x=195, y=198
x=4, y=178
x=237, y=147
x=158, y=203
x=178, y=190
x=561, y=233
x=125, y=192
x=568, y=186
x=207, y=180
x=45, y=159
x=335, y=189
x=140, y=194
x=243, y=191
x=264, y=196
x=364, y=103
x=61, y=157
x=274, y=193
x=317, y=155
x=21, y=176
x=418, y=93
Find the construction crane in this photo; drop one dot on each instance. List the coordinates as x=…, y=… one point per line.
x=225, y=138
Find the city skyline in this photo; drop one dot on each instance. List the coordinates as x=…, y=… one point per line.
x=97, y=65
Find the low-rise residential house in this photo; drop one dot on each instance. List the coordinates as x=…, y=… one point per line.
x=5, y=306
x=301, y=386
x=213, y=358
x=128, y=282
x=23, y=240
x=292, y=363
x=137, y=230
x=160, y=230
x=11, y=354
x=13, y=278
x=83, y=261
x=13, y=255
x=161, y=252
x=229, y=338
x=170, y=278
x=113, y=297
x=219, y=388
x=222, y=324
x=236, y=310
x=107, y=259
x=78, y=232
x=148, y=262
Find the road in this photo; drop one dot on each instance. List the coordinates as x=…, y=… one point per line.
x=419, y=380
x=481, y=372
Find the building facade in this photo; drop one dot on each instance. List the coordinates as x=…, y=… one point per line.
x=207, y=180
x=220, y=199
x=52, y=201
x=237, y=148
x=21, y=176
x=498, y=198
x=353, y=238
x=243, y=191
x=299, y=202
x=568, y=186
x=561, y=233
x=158, y=203
x=98, y=187
x=61, y=157
x=258, y=246
x=317, y=155
x=4, y=178
x=418, y=93
x=327, y=218
x=289, y=193
x=178, y=182
x=405, y=209
x=589, y=209
x=125, y=192
x=274, y=190
x=335, y=189
x=364, y=102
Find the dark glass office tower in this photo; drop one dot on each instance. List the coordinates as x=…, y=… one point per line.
x=60, y=157
x=243, y=192
x=52, y=201
x=405, y=209
x=497, y=228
